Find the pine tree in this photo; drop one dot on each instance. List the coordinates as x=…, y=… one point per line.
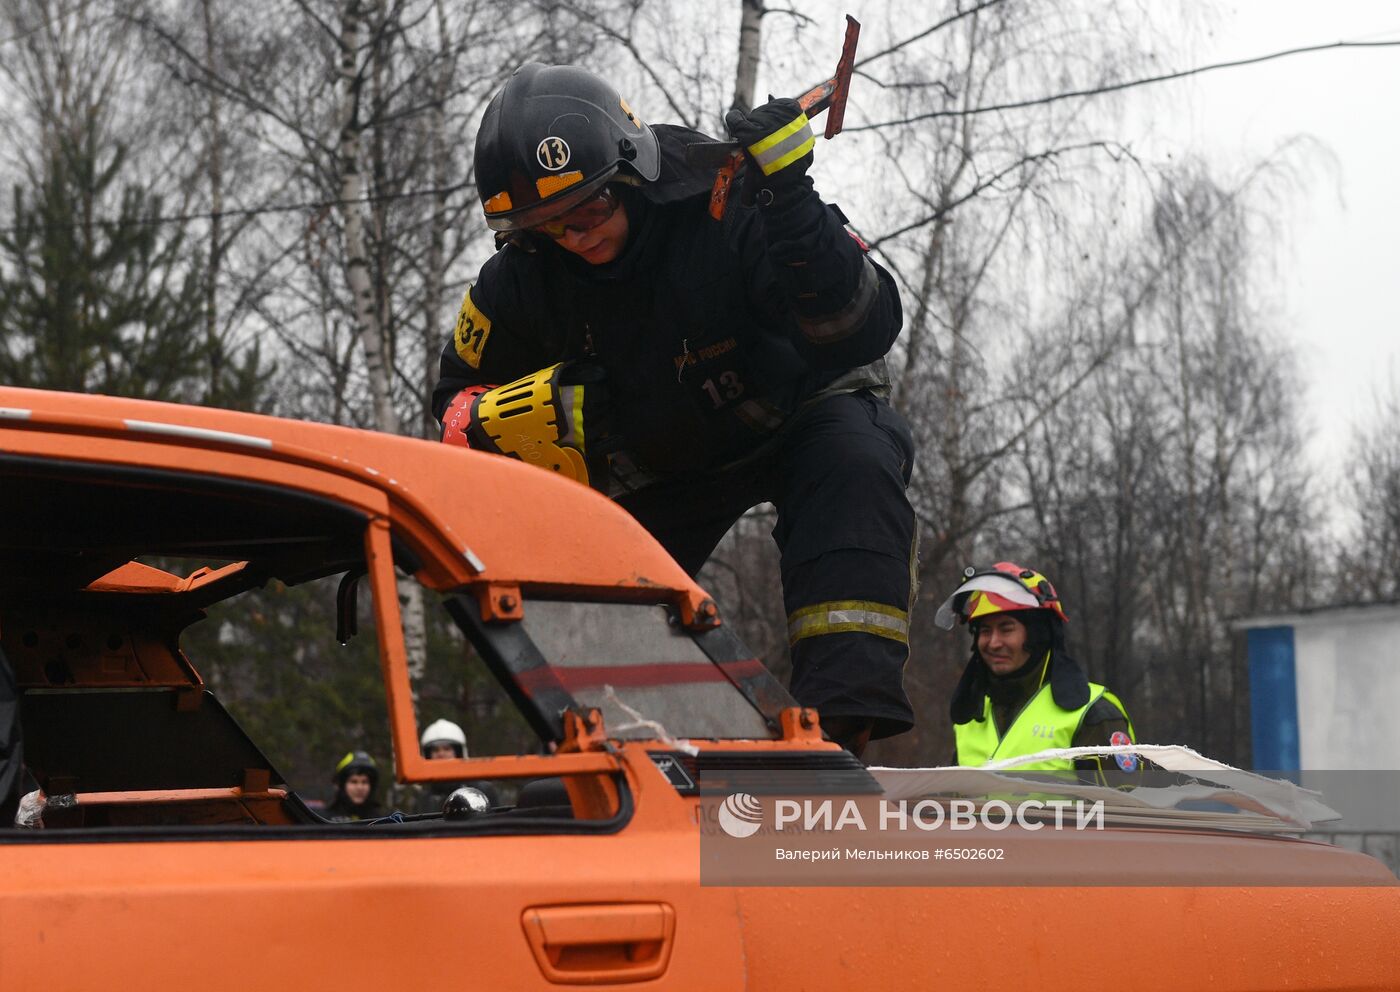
x=97, y=292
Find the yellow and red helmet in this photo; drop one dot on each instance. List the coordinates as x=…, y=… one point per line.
x=1001, y=588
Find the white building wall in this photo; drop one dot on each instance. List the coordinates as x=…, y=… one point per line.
x=1347, y=664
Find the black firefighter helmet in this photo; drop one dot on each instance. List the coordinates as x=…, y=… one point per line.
x=552, y=138
x=357, y=763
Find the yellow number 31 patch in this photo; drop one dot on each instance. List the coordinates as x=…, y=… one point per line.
x=473, y=328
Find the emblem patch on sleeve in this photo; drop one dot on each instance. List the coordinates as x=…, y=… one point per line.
x=473, y=328
x=1127, y=762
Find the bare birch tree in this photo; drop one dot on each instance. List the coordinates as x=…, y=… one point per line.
x=1370, y=493
x=1173, y=495
x=1092, y=383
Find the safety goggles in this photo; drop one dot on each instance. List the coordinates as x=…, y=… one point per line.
x=583, y=218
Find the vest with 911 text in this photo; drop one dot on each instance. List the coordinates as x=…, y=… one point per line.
x=1042, y=724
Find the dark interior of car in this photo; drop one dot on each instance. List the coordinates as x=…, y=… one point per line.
x=118, y=728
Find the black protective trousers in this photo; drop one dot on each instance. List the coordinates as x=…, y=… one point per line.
x=845, y=532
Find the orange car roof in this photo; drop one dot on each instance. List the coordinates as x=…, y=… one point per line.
x=473, y=517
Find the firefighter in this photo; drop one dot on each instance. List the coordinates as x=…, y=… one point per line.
x=692, y=368
x=1021, y=692
x=356, y=778
x=443, y=740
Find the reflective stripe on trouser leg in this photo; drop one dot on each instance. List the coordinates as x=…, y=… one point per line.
x=845, y=616
x=846, y=531
x=849, y=662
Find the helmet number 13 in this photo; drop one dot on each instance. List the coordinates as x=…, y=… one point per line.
x=553, y=153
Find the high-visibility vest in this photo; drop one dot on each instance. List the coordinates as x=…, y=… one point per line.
x=1042, y=724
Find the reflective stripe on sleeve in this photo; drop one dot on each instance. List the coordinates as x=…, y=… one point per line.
x=849, y=616
x=840, y=325
x=759, y=415
x=784, y=146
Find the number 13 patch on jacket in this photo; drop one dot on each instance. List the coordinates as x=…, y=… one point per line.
x=473, y=328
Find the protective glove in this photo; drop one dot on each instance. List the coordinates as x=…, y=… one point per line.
x=778, y=141
x=556, y=418
x=459, y=414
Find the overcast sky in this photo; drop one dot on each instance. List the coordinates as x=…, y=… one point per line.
x=1334, y=287
x=1336, y=281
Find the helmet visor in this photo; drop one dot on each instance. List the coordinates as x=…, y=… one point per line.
x=545, y=211
x=1001, y=585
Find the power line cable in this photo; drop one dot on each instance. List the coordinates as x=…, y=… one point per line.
x=281, y=208
x=1125, y=85
x=919, y=36
x=1020, y=104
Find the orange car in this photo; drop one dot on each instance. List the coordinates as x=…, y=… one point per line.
x=174, y=855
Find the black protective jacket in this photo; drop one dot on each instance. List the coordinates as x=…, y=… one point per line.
x=340, y=808
x=711, y=333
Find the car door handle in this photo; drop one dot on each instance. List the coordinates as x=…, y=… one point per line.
x=601, y=943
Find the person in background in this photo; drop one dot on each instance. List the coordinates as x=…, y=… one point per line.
x=1021, y=692
x=356, y=778
x=441, y=740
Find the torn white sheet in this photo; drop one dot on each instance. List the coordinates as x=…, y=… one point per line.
x=1213, y=781
x=1170, y=757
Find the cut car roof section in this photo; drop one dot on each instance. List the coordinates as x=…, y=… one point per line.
x=471, y=516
